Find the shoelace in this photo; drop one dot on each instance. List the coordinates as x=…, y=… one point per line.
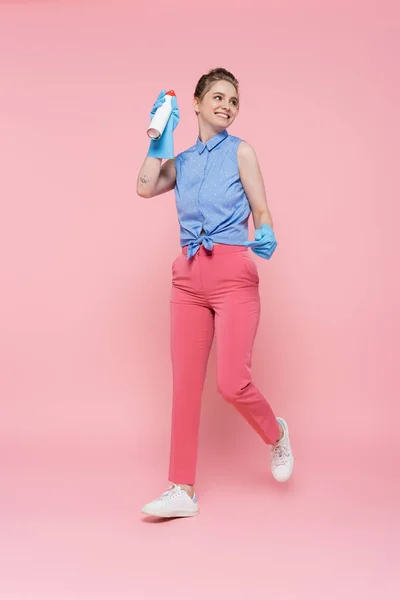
x=280, y=454
x=170, y=492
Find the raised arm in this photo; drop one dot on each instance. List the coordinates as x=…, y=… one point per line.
x=154, y=179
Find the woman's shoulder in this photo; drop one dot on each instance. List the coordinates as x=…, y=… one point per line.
x=245, y=148
x=246, y=157
x=241, y=145
x=184, y=154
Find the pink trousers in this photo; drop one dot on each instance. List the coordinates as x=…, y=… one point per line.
x=213, y=292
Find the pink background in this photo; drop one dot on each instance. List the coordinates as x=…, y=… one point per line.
x=85, y=277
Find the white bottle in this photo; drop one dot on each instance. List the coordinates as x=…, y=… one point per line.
x=161, y=116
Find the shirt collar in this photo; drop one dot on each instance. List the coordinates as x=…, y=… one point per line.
x=212, y=142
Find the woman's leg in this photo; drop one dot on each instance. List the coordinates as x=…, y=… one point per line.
x=192, y=329
x=237, y=314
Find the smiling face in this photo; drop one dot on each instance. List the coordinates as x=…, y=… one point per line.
x=219, y=106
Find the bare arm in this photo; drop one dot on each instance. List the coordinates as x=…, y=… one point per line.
x=253, y=185
x=154, y=179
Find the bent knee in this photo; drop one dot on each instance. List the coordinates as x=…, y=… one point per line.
x=233, y=394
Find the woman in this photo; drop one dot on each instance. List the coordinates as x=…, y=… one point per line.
x=217, y=185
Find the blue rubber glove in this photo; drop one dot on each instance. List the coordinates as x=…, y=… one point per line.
x=164, y=147
x=264, y=243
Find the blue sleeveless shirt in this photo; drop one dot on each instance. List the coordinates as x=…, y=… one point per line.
x=209, y=194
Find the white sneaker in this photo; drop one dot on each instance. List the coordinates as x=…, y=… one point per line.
x=174, y=502
x=282, y=460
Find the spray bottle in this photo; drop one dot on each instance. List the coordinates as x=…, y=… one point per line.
x=160, y=118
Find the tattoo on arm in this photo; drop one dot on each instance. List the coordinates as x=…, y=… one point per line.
x=144, y=180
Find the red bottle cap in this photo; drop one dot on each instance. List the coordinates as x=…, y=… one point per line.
x=170, y=93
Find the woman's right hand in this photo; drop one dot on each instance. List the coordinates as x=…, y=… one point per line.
x=164, y=147
x=159, y=102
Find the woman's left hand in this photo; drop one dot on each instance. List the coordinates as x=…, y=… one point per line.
x=264, y=243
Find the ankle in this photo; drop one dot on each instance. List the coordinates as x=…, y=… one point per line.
x=189, y=489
